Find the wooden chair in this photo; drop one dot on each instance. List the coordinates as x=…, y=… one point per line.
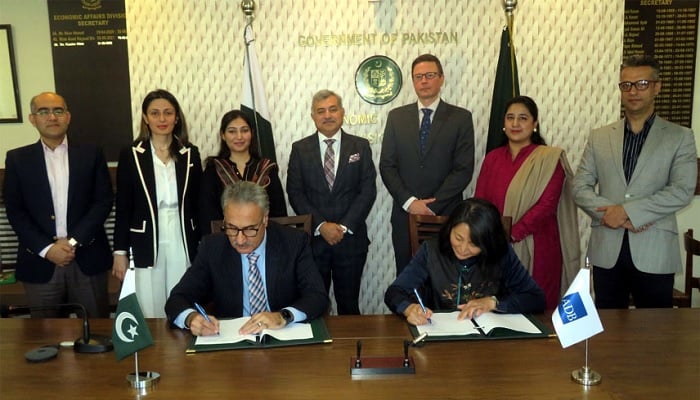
x=216, y=226
x=692, y=248
x=507, y=222
x=302, y=222
x=422, y=227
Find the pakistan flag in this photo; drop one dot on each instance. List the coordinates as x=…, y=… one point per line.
x=505, y=87
x=130, y=333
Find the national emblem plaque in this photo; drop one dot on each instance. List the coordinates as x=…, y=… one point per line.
x=378, y=80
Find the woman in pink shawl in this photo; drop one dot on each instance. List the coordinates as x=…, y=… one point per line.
x=529, y=181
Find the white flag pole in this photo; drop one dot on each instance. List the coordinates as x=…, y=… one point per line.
x=136, y=365
x=584, y=375
x=142, y=383
x=248, y=8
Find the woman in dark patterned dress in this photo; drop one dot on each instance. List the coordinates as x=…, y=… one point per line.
x=237, y=160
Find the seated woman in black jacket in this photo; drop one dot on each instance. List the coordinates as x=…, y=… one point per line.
x=470, y=267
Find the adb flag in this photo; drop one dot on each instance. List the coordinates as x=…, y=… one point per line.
x=576, y=317
x=130, y=333
x=253, y=100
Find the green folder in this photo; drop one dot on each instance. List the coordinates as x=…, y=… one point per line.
x=318, y=327
x=477, y=333
x=7, y=277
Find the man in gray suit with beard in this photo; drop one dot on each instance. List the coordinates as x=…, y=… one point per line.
x=332, y=177
x=645, y=170
x=427, y=157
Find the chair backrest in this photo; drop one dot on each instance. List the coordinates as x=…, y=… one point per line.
x=692, y=248
x=302, y=222
x=216, y=225
x=422, y=227
x=507, y=225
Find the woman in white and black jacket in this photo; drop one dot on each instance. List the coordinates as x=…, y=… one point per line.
x=158, y=181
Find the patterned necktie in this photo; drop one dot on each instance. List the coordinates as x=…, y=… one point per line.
x=424, y=128
x=329, y=163
x=258, y=303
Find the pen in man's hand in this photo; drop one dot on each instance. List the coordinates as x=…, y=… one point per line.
x=203, y=313
x=422, y=306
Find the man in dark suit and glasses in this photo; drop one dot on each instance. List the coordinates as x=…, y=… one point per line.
x=332, y=177
x=58, y=195
x=427, y=157
x=254, y=262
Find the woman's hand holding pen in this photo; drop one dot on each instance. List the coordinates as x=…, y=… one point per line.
x=476, y=307
x=199, y=326
x=414, y=314
x=261, y=321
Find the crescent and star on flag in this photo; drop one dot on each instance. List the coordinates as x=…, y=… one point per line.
x=133, y=329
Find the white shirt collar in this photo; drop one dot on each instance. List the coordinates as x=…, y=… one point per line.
x=322, y=137
x=63, y=144
x=432, y=106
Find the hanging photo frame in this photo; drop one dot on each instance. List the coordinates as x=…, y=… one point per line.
x=10, y=111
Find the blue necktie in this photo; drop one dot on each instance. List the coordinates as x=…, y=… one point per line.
x=424, y=129
x=258, y=302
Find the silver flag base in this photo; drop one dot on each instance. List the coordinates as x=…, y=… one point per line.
x=146, y=381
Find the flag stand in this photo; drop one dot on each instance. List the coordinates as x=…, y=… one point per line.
x=144, y=381
x=576, y=319
x=586, y=376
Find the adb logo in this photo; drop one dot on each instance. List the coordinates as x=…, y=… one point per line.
x=571, y=308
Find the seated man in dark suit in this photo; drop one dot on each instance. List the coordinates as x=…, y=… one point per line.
x=58, y=196
x=258, y=268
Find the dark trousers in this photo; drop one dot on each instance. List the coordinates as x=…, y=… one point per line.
x=70, y=285
x=614, y=286
x=342, y=264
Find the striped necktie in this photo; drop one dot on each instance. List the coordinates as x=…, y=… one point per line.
x=258, y=303
x=329, y=163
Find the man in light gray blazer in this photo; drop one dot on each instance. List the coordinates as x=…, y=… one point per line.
x=645, y=170
x=425, y=175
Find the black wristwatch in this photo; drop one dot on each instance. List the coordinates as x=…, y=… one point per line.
x=287, y=316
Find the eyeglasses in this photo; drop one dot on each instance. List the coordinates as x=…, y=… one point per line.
x=641, y=84
x=427, y=75
x=45, y=112
x=233, y=231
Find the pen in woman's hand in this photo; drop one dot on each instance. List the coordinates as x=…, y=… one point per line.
x=422, y=306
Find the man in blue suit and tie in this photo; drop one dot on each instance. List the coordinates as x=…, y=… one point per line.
x=645, y=170
x=58, y=196
x=332, y=177
x=427, y=155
